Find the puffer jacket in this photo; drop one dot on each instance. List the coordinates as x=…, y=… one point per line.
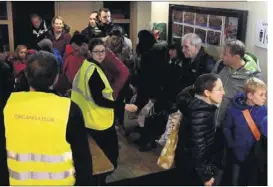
x=196, y=134
x=236, y=130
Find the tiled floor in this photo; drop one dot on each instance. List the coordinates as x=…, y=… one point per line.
x=133, y=163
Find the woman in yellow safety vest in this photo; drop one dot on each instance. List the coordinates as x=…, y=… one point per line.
x=93, y=93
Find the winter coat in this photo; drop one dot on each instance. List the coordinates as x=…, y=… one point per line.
x=116, y=72
x=92, y=32
x=236, y=130
x=62, y=41
x=6, y=84
x=40, y=33
x=124, y=51
x=203, y=63
x=72, y=64
x=150, y=79
x=196, y=134
x=233, y=81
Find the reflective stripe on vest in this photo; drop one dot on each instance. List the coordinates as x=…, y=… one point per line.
x=39, y=157
x=42, y=156
x=40, y=175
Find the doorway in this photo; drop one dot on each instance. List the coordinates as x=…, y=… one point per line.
x=21, y=11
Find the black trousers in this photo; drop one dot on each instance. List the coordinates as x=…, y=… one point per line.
x=119, y=108
x=107, y=140
x=245, y=173
x=185, y=174
x=154, y=127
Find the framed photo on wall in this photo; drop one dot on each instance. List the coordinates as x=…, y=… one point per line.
x=213, y=25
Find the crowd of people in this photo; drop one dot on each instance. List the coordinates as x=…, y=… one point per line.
x=58, y=88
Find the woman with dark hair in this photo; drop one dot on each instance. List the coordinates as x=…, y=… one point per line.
x=121, y=46
x=195, y=148
x=174, y=71
x=91, y=90
x=146, y=41
x=153, y=58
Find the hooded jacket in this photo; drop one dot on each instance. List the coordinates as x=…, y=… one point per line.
x=233, y=81
x=196, y=134
x=236, y=130
x=72, y=63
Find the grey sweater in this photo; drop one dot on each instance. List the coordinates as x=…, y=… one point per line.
x=233, y=81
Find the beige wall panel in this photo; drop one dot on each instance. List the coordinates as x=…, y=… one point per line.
x=76, y=14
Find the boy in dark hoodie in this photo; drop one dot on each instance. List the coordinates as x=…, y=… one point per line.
x=239, y=137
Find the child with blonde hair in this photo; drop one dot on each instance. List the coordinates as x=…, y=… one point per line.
x=243, y=127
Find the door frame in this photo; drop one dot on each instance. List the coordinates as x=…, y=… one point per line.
x=57, y=4
x=10, y=26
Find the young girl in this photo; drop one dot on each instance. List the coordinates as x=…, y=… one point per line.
x=19, y=60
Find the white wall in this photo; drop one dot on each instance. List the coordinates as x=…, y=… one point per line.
x=144, y=9
x=257, y=10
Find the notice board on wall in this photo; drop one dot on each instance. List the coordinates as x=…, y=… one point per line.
x=213, y=25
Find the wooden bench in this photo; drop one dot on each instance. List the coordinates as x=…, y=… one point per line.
x=101, y=163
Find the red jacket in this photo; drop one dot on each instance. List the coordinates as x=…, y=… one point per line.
x=72, y=63
x=117, y=73
x=18, y=65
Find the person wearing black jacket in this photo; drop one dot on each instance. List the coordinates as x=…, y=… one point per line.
x=41, y=72
x=153, y=60
x=6, y=83
x=194, y=156
x=105, y=23
x=92, y=30
x=39, y=30
x=197, y=61
x=6, y=86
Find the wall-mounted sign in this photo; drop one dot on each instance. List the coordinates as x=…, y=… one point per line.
x=261, y=38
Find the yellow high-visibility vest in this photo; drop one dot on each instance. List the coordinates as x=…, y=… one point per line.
x=95, y=117
x=37, y=151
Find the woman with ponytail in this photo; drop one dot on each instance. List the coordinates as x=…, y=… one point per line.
x=194, y=153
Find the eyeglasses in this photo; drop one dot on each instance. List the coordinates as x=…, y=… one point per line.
x=99, y=52
x=219, y=89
